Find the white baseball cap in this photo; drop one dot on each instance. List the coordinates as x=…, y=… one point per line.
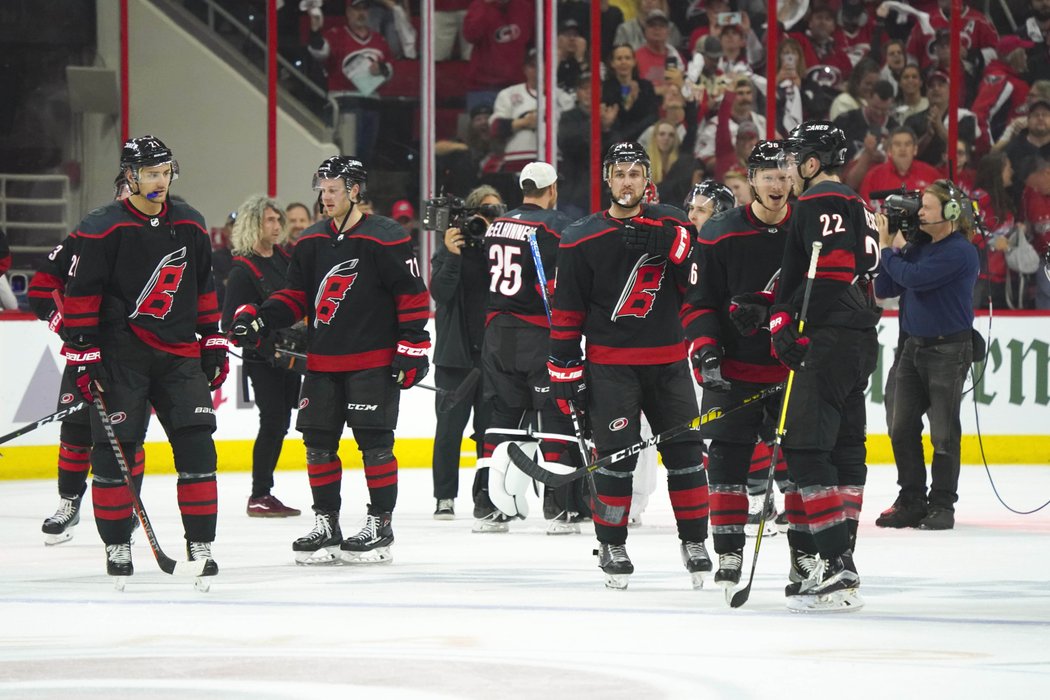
x=542, y=174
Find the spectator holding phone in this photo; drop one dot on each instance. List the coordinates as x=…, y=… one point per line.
x=656, y=56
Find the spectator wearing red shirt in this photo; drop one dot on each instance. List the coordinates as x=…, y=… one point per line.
x=822, y=42
x=856, y=26
x=977, y=33
x=901, y=169
x=1036, y=203
x=1003, y=91
x=500, y=31
x=990, y=191
x=657, y=55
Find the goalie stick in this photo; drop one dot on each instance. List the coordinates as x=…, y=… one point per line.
x=56, y=416
x=738, y=598
x=533, y=469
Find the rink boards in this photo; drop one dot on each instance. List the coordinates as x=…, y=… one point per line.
x=1012, y=396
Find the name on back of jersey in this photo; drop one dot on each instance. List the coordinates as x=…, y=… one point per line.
x=512, y=230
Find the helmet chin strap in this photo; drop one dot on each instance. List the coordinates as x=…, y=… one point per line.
x=807, y=180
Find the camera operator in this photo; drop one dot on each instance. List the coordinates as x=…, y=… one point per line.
x=459, y=285
x=934, y=274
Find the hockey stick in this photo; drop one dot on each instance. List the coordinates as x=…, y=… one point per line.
x=740, y=597
x=531, y=468
x=166, y=563
x=56, y=416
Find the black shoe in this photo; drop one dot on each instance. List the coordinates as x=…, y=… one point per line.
x=938, y=518
x=445, y=510
x=903, y=513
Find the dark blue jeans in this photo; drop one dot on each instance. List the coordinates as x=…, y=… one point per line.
x=929, y=381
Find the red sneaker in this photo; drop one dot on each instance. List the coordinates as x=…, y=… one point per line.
x=269, y=507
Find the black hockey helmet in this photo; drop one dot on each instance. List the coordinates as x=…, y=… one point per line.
x=817, y=139
x=351, y=170
x=146, y=152
x=765, y=155
x=721, y=197
x=626, y=152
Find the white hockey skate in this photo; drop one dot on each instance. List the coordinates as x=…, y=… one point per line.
x=563, y=524
x=493, y=522
x=118, y=564
x=613, y=560
x=321, y=545
x=59, y=527
x=834, y=587
x=372, y=544
x=197, y=551
x=753, y=509
x=730, y=565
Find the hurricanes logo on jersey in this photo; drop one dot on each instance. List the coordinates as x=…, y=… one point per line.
x=639, y=293
x=332, y=290
x=159, y=293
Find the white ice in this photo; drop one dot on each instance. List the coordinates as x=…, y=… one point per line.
x=958, y=614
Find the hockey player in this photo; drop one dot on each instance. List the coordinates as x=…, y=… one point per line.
x=824, y=442
x=622, y=275
x=707, y=199
x=738, y=251
x=355, y=279
x=142, y=318
x=515, y=352
x=74, y=442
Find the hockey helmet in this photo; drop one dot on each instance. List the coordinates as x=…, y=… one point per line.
x=721, y=197
x=765, y=155
x=817, y=139
x=146, y=152
x=351, y=170
x=626, y=152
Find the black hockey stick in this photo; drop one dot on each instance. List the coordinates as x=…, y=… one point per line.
x=56, y=416
x=740, y=597
x=166, y=563
x=531, y=468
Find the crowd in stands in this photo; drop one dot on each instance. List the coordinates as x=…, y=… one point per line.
x=688, y=80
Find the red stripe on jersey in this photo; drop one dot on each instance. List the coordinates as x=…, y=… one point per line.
x=623, y=502
x=294, y=299
x=349, y=362
x=43, y=283
x=836, y=276
x=587, y=238
x=198, y=497
x=207, y=308
x=689, y=314
x=565, y=325
x=103, y=234
x=750, y=372
x=245, y=261
x=606, y=355
x=180, y=349
x=840, y=195
x=406, y=239
x=412, y=302
x=690, y=504
x=702, y=341
x=82, y=311
x=540, y=321
x=190, y=222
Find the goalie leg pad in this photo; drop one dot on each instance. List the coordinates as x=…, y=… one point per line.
x=508, y=485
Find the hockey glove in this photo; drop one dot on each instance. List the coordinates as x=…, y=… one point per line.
x=749, y=312
x=85, y=356
x=215, y=359
x=654, y=237
x=567, y=384
x=788, y=346
x=248, y=328
x=707, y=368
x=410, y=363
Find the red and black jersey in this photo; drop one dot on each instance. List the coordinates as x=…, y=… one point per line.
x=835, y=215
x=359, y=290
x=51, y=276
x=514, y=285
x=627, y=303
x=5, y=254
x=736, y=253
x=149, y=273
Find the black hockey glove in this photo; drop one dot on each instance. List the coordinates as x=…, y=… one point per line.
x=788, y=346
x=215, y=359
x=654, y=237
x=707, y=368
x=410, y=363
x=749, y=312
x=567, y=384
x=248, y=328
x=84, y=355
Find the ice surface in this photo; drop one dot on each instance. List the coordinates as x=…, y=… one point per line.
x=958, y=614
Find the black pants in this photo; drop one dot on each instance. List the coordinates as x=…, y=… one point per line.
x=448, y=436
x=929, y=381
x=276, y=393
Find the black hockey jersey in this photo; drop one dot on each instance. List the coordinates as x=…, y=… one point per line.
x=149, y=273
x=252, y=279
x=360, y=292
x=51, y=276
x=834, y=214
x=514, y=286
x=736, y=253
x=627, y=303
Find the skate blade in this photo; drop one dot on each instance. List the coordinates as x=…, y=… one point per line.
x=52, y=540
x=119, y=582
x=202, y=584
x=562, y=528
x=846, y=600
x=379, y=555
x=616, y=582
x=326, y=556
x=444, y=516
x=698, y=580
x=770, y=531
x=483, y=528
